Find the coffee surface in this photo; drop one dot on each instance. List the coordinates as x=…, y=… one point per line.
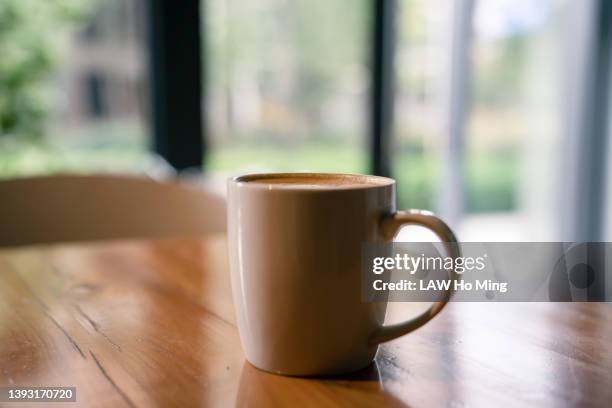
x=317, y=181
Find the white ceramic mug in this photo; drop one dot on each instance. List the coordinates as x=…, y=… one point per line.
x=295, y=244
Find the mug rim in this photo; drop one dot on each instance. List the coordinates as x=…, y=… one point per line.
x=361, y=181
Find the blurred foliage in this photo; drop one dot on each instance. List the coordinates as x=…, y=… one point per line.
x=490, y=181
x=326, y=156
x=413, y=25
x=31, y=39
x=301, y=53
x=104, y=146
x=499, y=71
x=490, y=174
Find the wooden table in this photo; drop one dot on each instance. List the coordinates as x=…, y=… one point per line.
x=150, y=323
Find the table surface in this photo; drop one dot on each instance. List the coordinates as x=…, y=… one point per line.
x=141, y=323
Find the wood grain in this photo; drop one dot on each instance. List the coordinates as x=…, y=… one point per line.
x=150, y=323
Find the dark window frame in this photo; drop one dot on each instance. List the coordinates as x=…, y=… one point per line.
x=175, y=78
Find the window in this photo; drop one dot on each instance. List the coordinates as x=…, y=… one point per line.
x=495, y=140
x=498, y=105
x=288, y=85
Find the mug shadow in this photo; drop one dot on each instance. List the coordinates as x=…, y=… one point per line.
x=363, y=387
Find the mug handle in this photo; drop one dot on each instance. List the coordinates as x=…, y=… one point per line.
x=389, y=227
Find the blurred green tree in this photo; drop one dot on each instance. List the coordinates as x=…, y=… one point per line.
x=300, y=53
x=32, y=37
